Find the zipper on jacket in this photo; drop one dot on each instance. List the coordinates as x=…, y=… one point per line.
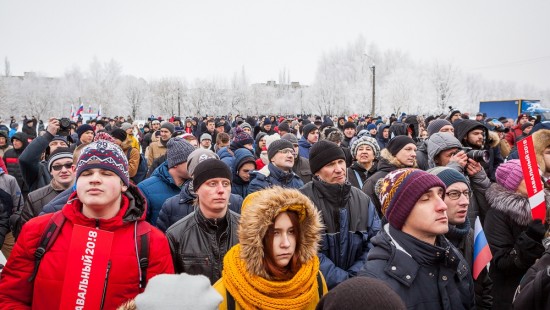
x=105, y=284
x=97, y=223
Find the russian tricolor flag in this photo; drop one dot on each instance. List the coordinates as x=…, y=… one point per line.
x=80, y=110
x=482, y=253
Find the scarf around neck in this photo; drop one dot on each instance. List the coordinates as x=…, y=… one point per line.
x=254, y=292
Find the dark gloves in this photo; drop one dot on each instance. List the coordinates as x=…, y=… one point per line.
x=535, y=230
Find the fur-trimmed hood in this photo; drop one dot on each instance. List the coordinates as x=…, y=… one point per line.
x=541, y=140
x=260, y=210
x=493, y=140
x=514, y=205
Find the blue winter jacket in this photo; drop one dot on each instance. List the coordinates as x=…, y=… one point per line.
x=303, y=147
x=238, y=185
x=270, y=176
x=179, y=206
x=226, y=156
x=350, y=222
x=156, y=189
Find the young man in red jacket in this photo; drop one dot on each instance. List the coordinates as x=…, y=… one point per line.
x=104, y=203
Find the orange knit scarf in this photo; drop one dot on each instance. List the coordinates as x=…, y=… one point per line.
x=254, y=292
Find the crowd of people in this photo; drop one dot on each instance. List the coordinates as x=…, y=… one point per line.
x=275, y=212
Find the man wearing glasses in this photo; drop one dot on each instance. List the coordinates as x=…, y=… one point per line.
x=60, y=166
x=444, y=150
x=278, y=172
x=461, y=234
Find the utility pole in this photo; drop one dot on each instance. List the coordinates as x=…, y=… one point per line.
x=179, y=105
x=373, y=68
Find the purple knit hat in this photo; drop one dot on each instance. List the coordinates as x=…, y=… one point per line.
x=103, y=155
x=242, y=138
x=400, y=190
x=509, y=174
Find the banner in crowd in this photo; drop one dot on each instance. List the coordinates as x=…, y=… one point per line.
x=531, y=174
x=87, y=268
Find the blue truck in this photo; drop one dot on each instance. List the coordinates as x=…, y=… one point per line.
x=513, y=108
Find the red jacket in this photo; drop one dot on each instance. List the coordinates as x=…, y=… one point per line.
x=513, y=134
x=123, y=281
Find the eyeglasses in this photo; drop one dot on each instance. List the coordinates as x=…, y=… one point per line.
x=454, y=195
x=286, y=151
x=59, y=167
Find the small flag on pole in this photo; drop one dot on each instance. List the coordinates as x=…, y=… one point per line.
x=482, y=252
x=80, y=110
x=99, y=112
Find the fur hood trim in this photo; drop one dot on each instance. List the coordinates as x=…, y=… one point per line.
x=514, y=205
x=493, y=140
x=259, y=212
x=393, y=160
x=541, y=140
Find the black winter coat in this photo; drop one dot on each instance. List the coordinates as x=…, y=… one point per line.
x=443, y=283
x=34, y=171
x=513, y=251
x=177, y=207
x=11, y=159
x=534, y=289
x=350, y=222
x=198, y=245
x=462, y=237
x=358, y=175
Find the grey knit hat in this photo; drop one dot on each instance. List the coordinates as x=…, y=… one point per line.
x=365, y=140
x=178, y=151
x=125, y=126
x=436, y=125
x=276, y=146
x=169, y=126
x=290, y=137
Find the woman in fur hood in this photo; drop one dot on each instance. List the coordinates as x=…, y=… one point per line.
x=275, y=265
x=514, y=237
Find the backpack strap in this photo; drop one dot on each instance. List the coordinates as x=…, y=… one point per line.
x=48, y=238
x=143, y=233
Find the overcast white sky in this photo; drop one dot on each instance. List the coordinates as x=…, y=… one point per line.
x=504, y=40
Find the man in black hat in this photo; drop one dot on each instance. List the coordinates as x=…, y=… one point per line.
x=190, y=239
x=349, y=217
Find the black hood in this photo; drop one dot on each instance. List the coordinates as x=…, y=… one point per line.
x=463, y=126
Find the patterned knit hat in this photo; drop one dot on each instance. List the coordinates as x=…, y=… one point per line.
x=322, y=153
x=59, y=153
x=242, y=138
x=400, y=190
x=365, y=140
x=436, y=125
x=103, y=155
x=509, y=174
x=197, y=156
x=177, y=151
x=104, y=136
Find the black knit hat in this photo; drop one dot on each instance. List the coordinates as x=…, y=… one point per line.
x=349, y=125
x=119, y=134
x=353, y=294
x=322, y=153
x=210, y=169
x=82, y=129
x=526, y=125
x=397, y=143
x=307, y=129
x=276, y=146
x=284, y=127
